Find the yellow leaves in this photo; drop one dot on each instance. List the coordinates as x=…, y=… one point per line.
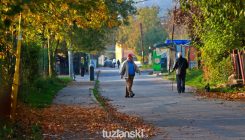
x=65, y=7
x=112, y=23
x=225, y=96
x=58, y=37
x=119, y=1
x=2, y=55
x=50, y=6
x=74, y=12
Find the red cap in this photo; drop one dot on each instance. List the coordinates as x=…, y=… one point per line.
x=130, y=55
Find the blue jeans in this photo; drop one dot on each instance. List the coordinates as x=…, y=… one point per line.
x=180, y=83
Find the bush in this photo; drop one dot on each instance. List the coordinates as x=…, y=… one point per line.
x=42, y=91
x=194, y=78
x=216, y=60
x=30, y=58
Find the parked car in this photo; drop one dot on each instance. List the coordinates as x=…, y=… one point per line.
x=108, y=63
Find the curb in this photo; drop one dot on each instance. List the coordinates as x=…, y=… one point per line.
x=92, y=96
x=91, y=89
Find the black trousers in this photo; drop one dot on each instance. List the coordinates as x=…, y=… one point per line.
x=180, y=83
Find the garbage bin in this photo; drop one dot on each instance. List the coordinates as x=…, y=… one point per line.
x=91, y=72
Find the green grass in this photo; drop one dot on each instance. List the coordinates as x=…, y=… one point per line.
x=193, y=78
x=228, y=89
x=146, y=66
x=43, y=90
x=97, y=94
x=40, y=94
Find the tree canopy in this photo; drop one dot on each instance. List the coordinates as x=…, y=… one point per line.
x=130, y=35
x=82, y=25
x=216, y=27
x=58, y=18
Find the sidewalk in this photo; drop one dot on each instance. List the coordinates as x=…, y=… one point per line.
x=81, y=117
x=76, y=93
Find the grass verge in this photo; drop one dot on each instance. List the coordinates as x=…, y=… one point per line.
x=42, y=92
x=39, y=95
x=146, y=66
x=193, y=78
x=97, y=94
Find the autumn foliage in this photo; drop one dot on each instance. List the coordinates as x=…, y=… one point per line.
x=63, y=122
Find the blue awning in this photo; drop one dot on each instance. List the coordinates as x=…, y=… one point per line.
x=177, y=42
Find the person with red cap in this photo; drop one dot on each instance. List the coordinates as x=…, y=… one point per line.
x=128, y=70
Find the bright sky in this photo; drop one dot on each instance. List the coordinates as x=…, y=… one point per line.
x=163, y=4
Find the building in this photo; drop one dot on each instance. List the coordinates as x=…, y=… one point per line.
x=164, y=54
x=121, y=52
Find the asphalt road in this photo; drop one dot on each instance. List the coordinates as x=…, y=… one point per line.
x=178, y=117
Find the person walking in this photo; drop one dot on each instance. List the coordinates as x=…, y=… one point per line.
x=82, y=70
x=118, y=63
x=180, y=66
x=128, y=70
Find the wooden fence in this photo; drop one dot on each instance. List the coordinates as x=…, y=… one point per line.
x=238, y=58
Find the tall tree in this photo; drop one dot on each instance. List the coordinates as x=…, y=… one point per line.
x=219, y=27
x=47, y=22
x=153, y=32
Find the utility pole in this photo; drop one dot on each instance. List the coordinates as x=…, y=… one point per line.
x=172, y=46
x=172, y=38
x=141, y=33
x=142, y=45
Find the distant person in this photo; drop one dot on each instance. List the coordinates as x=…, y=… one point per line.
x=118, y=63
x=180, y=66
x=207, y=88
x=82, y=70
x=127, y=71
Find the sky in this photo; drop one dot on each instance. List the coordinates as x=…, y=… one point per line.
x=163, y=4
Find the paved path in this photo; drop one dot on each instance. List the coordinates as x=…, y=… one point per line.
x=182, y=117
x=76, y=93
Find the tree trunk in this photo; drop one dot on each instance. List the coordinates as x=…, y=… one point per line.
x=15, y=85
x=49, y=59
x=54, y=57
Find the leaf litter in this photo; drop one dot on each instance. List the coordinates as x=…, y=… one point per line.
x=78, y=122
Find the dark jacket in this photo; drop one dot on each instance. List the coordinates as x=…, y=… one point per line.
x=180, y=66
